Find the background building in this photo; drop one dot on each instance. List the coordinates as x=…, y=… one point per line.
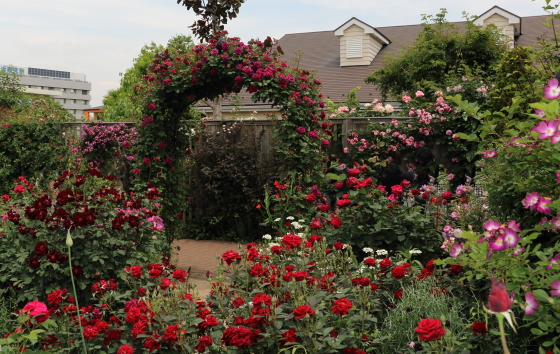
x=70, y=89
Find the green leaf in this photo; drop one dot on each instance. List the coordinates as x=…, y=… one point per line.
x=540, y=294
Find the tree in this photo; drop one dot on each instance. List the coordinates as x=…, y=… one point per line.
x=11, y=92
x=122, y=104
x=214, y=14
x=441, y=50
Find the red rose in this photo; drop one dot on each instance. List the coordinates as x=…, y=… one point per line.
x=125, y=349
x=498, y=299
x=336, y=222
x=343, y=203
x=230, y=256
x=180, y=275
x=362, y=282
x=310, y=198
x=288, y=337
x=353, y=172
x=398, y=272
x=385, y=263
x=398, y=294
x=479, y=327
x=238, y=336
x=447, y=195
x=6, y=197
x=370, y=262
x=323, y=207
x=397, y=190
x=19, y=189
x=429, y=330
x=338, y=185
x=203, y=343
x=455, y=269
x=291, y=241
x=141, y=292
x=303, y=310
x=41, y=248
x=36, y=308
x=151, y=106
x=341, y=306
x=338, y=245
x=165, y=283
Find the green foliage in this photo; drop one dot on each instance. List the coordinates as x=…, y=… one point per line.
x=227, y=175
x=125, y=103
x=438, y=52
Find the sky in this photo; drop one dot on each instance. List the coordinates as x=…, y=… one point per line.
x=100, y=38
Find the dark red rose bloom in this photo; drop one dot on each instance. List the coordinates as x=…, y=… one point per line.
x=300, y=275
x=374, y=287
x=415, y=192
x=361, y=282
x=180, y=275
x=288, y=337
x=370, y=262
x=203, y=343
x=56, y=297
x=498, y=299
x=479, y=327
x=141, y=292
x=398, y=294
x=112, y=335
x=323, y=207
x=135, y=271
x=238, y=301
x=209, y=321
x=90, y=332
x=429, y=329
x=314, y=238
x=152, y=343
x=303, y=310
x=239, y=337
x=41, y=249
x=291, y=241
x=352, y=351
x=261, y=298
x=34, y=262
x=338, y=185
x=170, y=334
x=165, y=283
x=338, y=245
x=398, y=272
x=125, y=348
x=77, y=270
x=455, y=269
x=341, y=306
x=278, y=250
x=385, y=263
x=230, y=256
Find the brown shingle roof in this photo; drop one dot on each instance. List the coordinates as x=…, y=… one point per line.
x=321, y=52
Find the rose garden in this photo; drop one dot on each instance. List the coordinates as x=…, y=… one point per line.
x=339, y=258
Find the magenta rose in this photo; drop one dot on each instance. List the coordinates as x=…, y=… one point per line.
x=36, y=308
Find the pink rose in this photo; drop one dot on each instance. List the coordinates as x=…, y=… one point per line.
x=36, y=308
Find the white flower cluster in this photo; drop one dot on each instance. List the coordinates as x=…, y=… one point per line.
x=272, y=244
x=381, y=252
x=277, y=219
x=267, y=237
x=415, y=252
x=290, y=218
x=367, y=250
x=296, y=225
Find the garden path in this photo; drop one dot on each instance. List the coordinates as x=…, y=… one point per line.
x=200, y=257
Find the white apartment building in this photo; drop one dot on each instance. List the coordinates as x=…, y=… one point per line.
x=70, y=89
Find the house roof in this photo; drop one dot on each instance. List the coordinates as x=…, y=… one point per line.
x=321, y=52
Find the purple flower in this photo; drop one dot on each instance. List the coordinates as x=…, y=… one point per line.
x=531, y=303
x=548, y=129
x=531, y=200
x=518, y=251
x=301, y=130
x=542, y=205
x=489, y=154
x=497, y=243
x=552, y=261
x=558, y=176
x=510, y=238
x=552, y=91
x=556, y=286
x=540, y=113
x=456, y=249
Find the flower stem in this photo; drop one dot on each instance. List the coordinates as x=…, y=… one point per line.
x=76, y=299
x=502, y=334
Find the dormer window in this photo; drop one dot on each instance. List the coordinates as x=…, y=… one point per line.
x=354, y=47
x=508, y=23
x=359, y=43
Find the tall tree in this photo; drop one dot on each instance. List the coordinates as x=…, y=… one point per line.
x=440, y=50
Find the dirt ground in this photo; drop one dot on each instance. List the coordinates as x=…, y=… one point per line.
x=200, y=257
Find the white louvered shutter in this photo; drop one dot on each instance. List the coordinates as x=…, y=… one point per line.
x=354, y=47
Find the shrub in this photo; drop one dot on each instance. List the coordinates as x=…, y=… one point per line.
x=110, y=230
x=227, y=174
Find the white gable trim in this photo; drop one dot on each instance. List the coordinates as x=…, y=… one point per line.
x=367, y=29
x=496, y=10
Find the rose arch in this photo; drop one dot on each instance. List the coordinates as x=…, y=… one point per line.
x=174, y=84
